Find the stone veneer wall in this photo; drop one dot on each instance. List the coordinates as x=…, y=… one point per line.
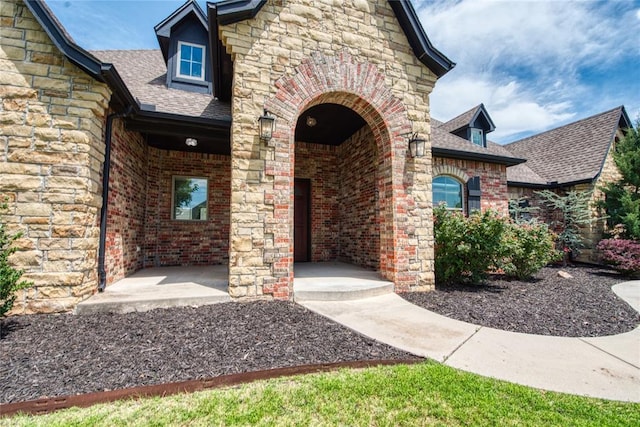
x=319, y=164
x=493, y=180
x=126, y=215
x=51, y=152
x=359, y=222
x=299, y=53
x=169, y=242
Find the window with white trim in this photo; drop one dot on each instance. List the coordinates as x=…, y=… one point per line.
x=191, y=61
x=448, y=191
x=189, y=198
x=477, y=137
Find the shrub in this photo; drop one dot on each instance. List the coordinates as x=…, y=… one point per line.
x=623, y=255
x=467, y=249
x=9, y=276
x=527, y=247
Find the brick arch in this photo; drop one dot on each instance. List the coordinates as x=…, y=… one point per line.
x=361, y=87
x=450, y=170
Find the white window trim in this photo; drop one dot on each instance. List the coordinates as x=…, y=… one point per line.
x=462, y=193
x=173, y=194
x=203, y=69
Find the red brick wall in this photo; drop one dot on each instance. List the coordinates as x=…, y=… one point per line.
x=493, y=181
x=174, y=242
x=127, y=203
x=319, y=164
x=359, y=211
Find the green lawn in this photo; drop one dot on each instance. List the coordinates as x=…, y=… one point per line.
x=422, y=394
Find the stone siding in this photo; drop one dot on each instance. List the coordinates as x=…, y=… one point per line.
x=300, y=53
x=493, y=180
x=51, y=153
x=169, y=242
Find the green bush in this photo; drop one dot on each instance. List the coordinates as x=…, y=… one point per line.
x=468, y=248
x=527, y=247
x=9, y=276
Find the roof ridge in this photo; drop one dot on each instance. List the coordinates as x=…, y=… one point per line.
x=620, y=107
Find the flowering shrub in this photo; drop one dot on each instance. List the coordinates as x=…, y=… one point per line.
x=468, y=248
x=623, y=255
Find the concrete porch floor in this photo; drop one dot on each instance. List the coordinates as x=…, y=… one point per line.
x=163, y=287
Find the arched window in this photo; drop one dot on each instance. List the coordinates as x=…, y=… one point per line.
x=447, y=191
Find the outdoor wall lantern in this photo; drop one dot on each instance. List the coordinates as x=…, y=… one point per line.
x=416, y=146
x=267, y=122
x=191, y=142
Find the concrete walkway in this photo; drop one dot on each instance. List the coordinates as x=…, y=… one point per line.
x=604, y=367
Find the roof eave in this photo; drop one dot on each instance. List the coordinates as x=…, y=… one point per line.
x=420, y=43
x=231, y=11
x=78, y=56
x=549, y=185
x=467, y=155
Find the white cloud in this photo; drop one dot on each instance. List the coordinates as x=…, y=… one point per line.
x=511, y=107
x=535, y=64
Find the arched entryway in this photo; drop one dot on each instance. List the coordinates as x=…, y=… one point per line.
x=361, y=88
x=336, y=209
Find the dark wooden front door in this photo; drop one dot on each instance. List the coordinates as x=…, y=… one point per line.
x=302, y=192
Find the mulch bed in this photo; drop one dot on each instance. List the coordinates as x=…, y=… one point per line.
x=583, y=306
x=56, y=355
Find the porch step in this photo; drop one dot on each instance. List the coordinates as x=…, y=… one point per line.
x=334, y=281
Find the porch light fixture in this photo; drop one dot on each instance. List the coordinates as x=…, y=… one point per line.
x=191, y=142
x=311, y=121
x=267, y=122
x=416, y=146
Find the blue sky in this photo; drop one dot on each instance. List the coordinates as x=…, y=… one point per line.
x=534, y=64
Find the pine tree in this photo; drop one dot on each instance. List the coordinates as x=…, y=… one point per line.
x=622, y=198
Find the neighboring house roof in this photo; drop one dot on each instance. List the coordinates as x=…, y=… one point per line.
x=145, y=74
x=569, y=154
x=446, y=144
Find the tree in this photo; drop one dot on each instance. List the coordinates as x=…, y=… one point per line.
x=9, y=276
x=622, y=198
x=573, y=211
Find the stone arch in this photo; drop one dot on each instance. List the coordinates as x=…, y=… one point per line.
x=360, y=86
x=451, y=170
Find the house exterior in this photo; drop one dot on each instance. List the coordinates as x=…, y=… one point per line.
x=116, y=161
x=577, y=156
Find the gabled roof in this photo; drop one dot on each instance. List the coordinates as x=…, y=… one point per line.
x=446, y=144
x=230, y=11
x=569, y=154
x=468, y=118
x=163, y=29
x=145, y=74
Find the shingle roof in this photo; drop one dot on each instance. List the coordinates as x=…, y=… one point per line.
x=443, y=141
x=460, y=121
x=145, y=74
x=571, y=153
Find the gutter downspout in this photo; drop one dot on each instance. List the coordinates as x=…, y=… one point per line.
x=102, y=273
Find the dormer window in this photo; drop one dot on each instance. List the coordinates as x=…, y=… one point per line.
x=477, y=137
x=191, y=61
